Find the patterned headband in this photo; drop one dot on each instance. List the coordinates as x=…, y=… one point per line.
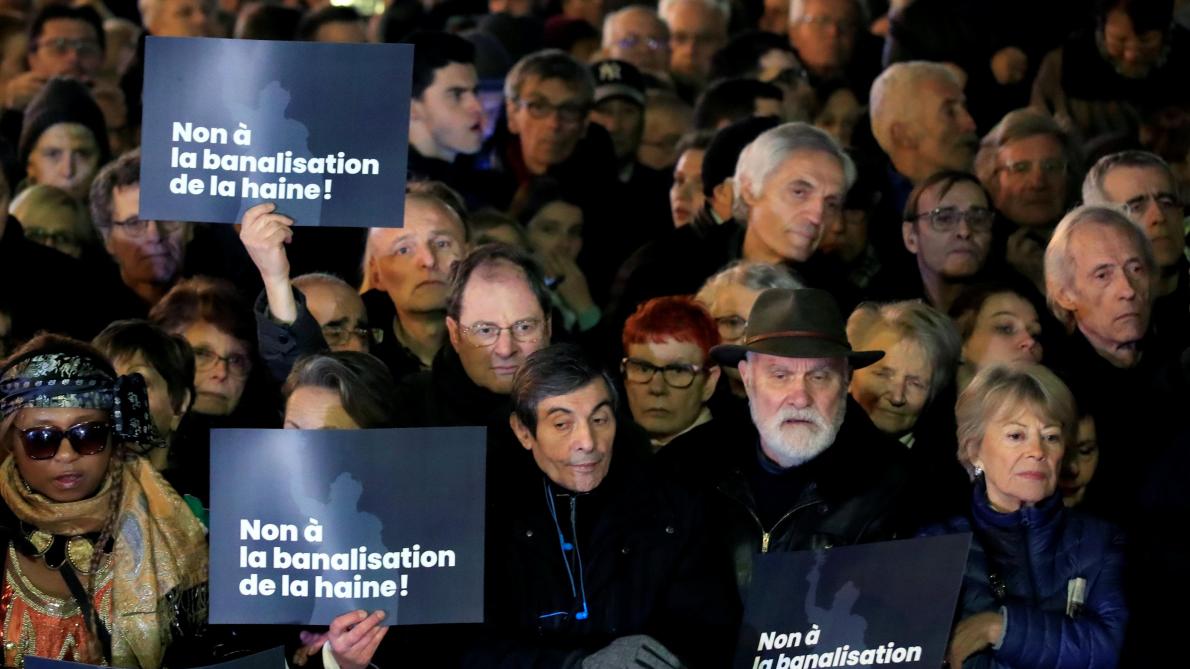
x=73, y=381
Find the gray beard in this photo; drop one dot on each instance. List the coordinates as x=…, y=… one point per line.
x=795, y=446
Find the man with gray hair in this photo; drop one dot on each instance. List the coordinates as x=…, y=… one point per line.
x=1099, y=269
x=636, y=34
x=1144, y=185
x=790, y=183
x=697, y=29
x=833, y=42
x=818, y=473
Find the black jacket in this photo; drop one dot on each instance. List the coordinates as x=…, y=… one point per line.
x=852, y=493
x=646, y=568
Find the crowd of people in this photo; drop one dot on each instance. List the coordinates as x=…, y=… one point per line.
x=719, y=277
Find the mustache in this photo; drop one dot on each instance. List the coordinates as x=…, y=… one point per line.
x=807, y=414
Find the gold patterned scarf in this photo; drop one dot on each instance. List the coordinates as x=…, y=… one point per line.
x=160, y=555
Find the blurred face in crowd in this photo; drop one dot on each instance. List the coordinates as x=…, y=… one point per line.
x=797, y=404
x=639, y=37
x=147, y=252
x=667, y=384
x=67, y=476
x=624, y=120
x=1152, y=201
x=340, y=313
x=550, y=118
x=943, y=134
x=53, y=224
x=1079, y=463
x=664, y=127
x=894, y=390
x=776, y=17
x=696, y=32
x=1020, y=454
x=839, y=115
x=730, y=309
x=500, y=324
x=590, y=11
x=557, y=229
x=167, y=411
x=450, y=112
x=1006, y=330
x=513, y=7
x=177, y=18
x=412, y=263
x=796, y=203
x=945, y=240
x=316, y=408
x=1030, y=181
x=824, y=35
x=572, y=444
x=221, y=367
x=66, y=47
x=66, y=156
x=342, y=32
x=848, y=238
x=685, y=195
x=1111, y=288
x=1131, y=54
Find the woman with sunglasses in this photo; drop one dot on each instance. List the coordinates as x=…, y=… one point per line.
x=103, y=563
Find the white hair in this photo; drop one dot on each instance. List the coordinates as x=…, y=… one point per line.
x=610, y=19
x=721, y=6
x=797, y=9
x=1059, y=259
x=894, y=95
x=771, y=149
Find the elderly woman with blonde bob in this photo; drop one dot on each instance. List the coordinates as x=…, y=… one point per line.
x=1043, y=587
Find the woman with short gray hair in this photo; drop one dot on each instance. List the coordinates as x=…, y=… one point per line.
x=1043, y=586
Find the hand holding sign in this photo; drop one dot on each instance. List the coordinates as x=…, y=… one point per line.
x=353, y=637
x=265, y=233
x=972, y=635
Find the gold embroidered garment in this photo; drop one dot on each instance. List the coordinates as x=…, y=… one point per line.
x=35, y=623
x=159, y=561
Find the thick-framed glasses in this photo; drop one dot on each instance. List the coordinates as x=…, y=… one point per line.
x=136, y=227
x=337, y=335
x=1049, y=167
x=731, y=327
x=238, y=364
x=636, y=370
x=568, y=112
x=1137, y=206
x=482, y=335
x=633, y=41
x=61, y=46
x=42, y=443
x=946, y=219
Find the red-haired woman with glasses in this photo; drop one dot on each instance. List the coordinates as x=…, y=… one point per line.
x=103, y=563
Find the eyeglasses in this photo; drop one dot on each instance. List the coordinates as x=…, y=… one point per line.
x=791, y=76
x=636, y=370
x=42, y=443
x=238, y=364
x=946, y=219
x=337, y=335
x=482, y=335
x=633, y=41
x=1137, y=206
x=51, y=238
x=820, y=22
x=731, y=327
x=61, y=46
x=568, y=112
x=1049, y=167
x=135, y=227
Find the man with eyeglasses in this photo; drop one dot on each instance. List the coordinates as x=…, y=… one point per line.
x=1145, y=186
x=64, y=41
x=697, y=29
x=833, y=43
x=149, y=255
x=637, y=35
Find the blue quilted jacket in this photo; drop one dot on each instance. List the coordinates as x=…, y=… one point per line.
x=1022, y=563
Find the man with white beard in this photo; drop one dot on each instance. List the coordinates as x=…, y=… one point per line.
x=819, y=474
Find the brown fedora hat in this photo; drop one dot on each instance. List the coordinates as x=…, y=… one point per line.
x=803, y=323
